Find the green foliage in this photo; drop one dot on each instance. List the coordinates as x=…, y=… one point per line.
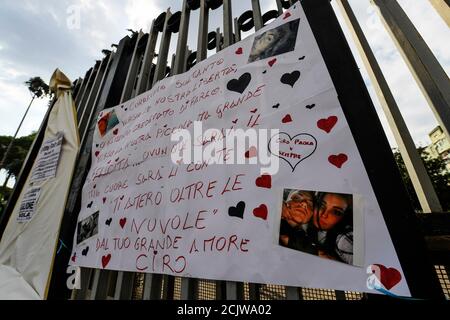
x=17, y=154
x=440, y=177
x=38, y=87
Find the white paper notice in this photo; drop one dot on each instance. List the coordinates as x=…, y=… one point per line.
x=48, y=158
x=28, y=204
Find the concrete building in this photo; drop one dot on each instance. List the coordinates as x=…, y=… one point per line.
x=440, y=146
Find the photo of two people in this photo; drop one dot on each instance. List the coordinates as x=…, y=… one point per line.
x=318, y=223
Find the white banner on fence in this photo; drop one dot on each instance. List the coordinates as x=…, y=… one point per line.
x=300, y=211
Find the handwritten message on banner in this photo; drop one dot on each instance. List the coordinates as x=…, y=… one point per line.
x=174, y=189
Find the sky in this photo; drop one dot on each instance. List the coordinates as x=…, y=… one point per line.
x=36, y=37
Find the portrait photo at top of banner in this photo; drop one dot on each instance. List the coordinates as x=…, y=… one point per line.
x=243, y=168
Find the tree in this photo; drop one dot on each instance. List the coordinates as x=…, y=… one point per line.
x=38, y=89
x=440, y=177
x=14, y=160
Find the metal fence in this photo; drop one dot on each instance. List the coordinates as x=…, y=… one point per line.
x=131, y=69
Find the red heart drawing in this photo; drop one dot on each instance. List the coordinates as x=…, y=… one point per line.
x=265, y=181
x=287, y=118
x=272, y=62
x=338, y=160
x=122, y=222
x=116, y=131
x=104, y=200
x=239, y=51
x=74, y=257
x=261, y=212
x=287, y=15
x=105, y=260
x=327, y=124
x=97, y=153
x=388, y=277
x=250, y=153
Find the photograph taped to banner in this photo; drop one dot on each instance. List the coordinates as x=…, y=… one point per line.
x=275, y=41
x=87, y=228
x=107, y=122
x=318, y=223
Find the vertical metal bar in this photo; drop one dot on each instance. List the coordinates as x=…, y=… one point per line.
x=257, y=18
x=443, y=8
x=429, y=74
x=87, y=92
x=218, y=40
x=94, y=284
x=76, y=89
x=188, y=52
x=254, y=291
x=180, y=55
x=202, y=31
x=172, y=64
x=189, y=289
x=292, y=293
x=163, y=50
x=148, y=60
x=227, y=23
x=132, y=71
x=85, y=117
x=428, y=198
x=237, y=30
x=92, y=105
x=82, y=88
x=81, y=294
x=279, y=7
x=340, y=295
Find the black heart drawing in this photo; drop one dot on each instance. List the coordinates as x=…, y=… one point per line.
x=290, y=78
x=108, y=222
x=276, y=106
x=85, y=251
x=237, y=211
x=90, y=204
x=239, y=85
x=96, y=145
x=310, y=106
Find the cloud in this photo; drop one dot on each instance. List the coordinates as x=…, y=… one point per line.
x=140, y=13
